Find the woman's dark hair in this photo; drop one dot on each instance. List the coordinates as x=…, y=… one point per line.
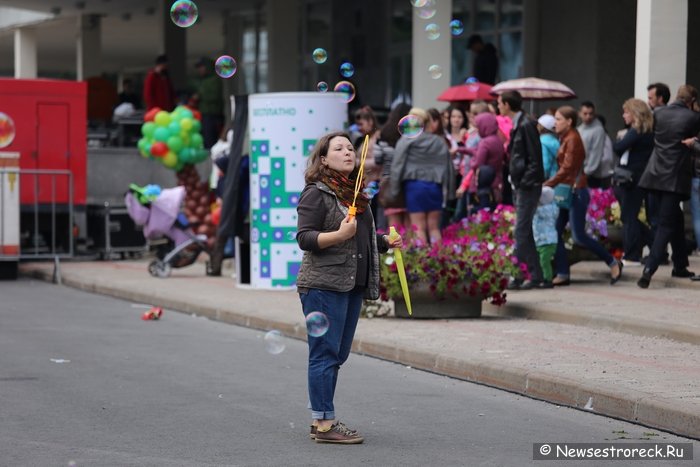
x=434, y=115
x=366, y=113
x=465, y=122
x=569, y=113
x=315, y=170
x=390, y=131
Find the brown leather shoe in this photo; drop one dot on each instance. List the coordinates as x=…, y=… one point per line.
x=338, y=434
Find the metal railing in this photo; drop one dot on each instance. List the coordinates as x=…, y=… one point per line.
x=36, y=250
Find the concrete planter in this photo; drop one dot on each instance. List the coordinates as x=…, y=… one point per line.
x=426, y=306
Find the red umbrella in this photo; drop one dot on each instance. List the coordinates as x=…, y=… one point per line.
x=467, y=92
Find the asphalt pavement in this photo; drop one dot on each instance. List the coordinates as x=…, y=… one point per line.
x=619, y=351
x=85, y=382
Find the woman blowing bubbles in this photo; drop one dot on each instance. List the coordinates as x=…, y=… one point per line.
x=340, y=267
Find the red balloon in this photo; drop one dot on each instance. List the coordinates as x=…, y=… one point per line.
x=216, y=216
x=197, y=114
x=151, y=114
x=159, y=149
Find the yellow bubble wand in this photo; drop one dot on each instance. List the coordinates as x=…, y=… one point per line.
x=394, y=235
x=352, y=210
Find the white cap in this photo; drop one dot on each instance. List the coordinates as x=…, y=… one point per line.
x=547, y=195
x=546, y=121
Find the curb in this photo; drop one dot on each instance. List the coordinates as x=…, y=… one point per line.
x=632, y=406
x=639, y=327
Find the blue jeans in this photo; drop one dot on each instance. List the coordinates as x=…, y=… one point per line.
x=329, y=351
x=576, y=216
x=695, y=209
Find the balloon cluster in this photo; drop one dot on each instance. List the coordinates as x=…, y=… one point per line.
x=198, y=202
x=173, y=138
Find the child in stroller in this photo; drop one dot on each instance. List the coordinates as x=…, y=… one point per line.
x=158, y=211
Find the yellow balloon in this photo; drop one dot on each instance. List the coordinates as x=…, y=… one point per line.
x=162, y=118
x=170, y=160
x=186, y=124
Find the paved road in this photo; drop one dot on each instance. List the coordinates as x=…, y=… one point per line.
x=186, y=391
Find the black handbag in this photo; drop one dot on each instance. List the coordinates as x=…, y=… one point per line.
x=622, y=176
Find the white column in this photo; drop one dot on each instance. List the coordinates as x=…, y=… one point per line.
x=662, y=37
x=89, y=47
x=25, y=53
x=428, y=52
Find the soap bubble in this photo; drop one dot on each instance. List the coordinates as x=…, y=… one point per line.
x=347, y=70
x=7, y=130
x=435, y=71
x=184, y=13
x=347, y=89
x=410, y=126
x=428, y=10
x=274, y=342
x=418, y=3
x=320, y=55
x=322, y=86
x=317, y=324
x=456, y=27
x=225, y=66
x=433, y=31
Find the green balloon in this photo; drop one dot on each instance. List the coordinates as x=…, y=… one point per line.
x=199, y=155
x=196, y=140
x=196, y=126
x=185, y=155
x=161, y=134
x=186, y=113
x=175, y=143
x=174, y=128
x=147, y=129
x=144, y=147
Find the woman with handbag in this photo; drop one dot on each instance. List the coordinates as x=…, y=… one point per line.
x=422, y=168
x=635, y=149
x=572, y=196
x=394, y=207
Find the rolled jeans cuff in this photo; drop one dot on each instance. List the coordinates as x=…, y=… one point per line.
x=322, y=415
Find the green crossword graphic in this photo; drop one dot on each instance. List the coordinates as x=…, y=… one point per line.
x=273, y=226
x=284, y=128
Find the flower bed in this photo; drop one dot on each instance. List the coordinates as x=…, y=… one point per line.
x=475, y=258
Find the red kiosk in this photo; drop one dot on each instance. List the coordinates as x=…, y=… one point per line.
x=50, y=120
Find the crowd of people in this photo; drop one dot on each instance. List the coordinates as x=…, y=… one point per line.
x=466, y=161
x=476, y=157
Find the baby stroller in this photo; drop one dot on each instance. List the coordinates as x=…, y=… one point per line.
x=160, y=216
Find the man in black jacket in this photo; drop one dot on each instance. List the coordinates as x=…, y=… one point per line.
x=527, y=176
x=668, y=176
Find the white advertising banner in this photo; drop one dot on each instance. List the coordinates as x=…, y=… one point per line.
x=283, y=129
x=9, y=205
